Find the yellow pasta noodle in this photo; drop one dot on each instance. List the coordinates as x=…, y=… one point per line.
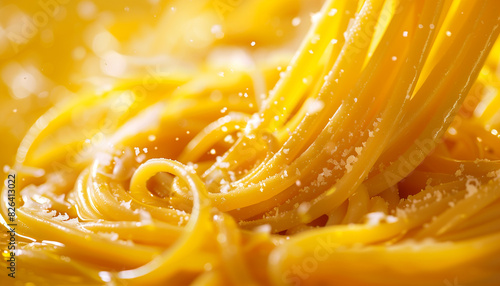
x=359, y=149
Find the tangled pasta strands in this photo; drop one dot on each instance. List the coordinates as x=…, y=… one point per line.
x=376, y=148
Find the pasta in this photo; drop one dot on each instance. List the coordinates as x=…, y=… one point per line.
x=373, y=160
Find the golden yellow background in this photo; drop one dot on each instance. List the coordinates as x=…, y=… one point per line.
x=54, y=50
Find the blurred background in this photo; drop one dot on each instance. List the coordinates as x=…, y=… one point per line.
x=52, y=51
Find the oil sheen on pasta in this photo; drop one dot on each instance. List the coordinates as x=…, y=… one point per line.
x=253, y=142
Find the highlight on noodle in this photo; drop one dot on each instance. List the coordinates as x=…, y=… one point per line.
x=270, y=145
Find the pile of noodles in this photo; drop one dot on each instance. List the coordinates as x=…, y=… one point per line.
x=374, y=160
